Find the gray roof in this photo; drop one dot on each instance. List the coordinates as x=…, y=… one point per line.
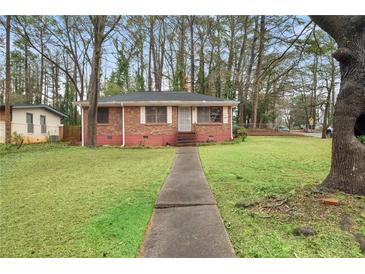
x=28, y=106
x=159, y=96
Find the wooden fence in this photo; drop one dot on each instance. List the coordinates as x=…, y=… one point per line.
x=70, y=133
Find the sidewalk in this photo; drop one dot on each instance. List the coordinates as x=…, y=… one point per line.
x=186, y=222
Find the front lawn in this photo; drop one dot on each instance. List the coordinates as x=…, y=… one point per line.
x=62, y=201
x=265, y=190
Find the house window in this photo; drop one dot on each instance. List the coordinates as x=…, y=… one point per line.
x=103, y=115
x=29, y=118
x=156, y=114
x=43, y=124
x=216, y=114
x=203, y=115
x=210, y=114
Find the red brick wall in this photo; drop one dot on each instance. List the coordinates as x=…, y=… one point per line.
x=151, y=134
x=214, y=132
x=107, y=134
x=148, y=134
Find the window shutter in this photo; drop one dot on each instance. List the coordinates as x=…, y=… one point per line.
x=169, y=115
x=142, y=115
x=195, y=115
x=225, y=115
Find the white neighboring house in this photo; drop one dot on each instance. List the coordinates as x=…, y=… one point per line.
x=35, y=122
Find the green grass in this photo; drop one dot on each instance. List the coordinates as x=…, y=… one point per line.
x=63, y=201
x=250, y=180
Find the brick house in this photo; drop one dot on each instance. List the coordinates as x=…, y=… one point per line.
x=160, y=118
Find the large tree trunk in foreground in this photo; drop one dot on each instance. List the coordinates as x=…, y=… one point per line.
x=99, y=36
x=348, y=154
x=94, y=88
x=7, y=84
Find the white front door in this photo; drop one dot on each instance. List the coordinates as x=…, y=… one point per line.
x=184, y=119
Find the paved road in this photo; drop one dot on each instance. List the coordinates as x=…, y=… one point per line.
x=186, y=222
x=313, y=134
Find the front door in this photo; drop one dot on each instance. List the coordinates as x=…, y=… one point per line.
x=184, y=119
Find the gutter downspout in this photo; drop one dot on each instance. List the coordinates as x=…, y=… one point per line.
x=231, y=112
x=123, y=128
x=82, y=126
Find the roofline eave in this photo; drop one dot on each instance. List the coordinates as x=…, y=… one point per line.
x=161, y=103
x=50, y=109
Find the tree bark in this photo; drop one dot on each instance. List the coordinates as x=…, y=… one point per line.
x=231, y=54
x=201, y=73
x=243, y=105
x=180, y=58
x=314, y=92
x=38, y=99
x=56, y=88
x=7, y=84
x=94, y=87
x=151, y=46
x=27, y=91
x=330, y=87
x=238, y=82
x=348, y=154
x=159, y=58
x=218, y=82
x=192, y=57
x=98, y=22
x=257, y=83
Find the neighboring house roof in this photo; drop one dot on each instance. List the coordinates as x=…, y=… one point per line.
x=29, y=106
x=161, y=98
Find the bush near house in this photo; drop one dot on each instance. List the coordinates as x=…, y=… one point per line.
x=240, y=133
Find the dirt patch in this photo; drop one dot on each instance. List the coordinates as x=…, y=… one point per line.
x=306, y=208
x=346, y=222
x=273, y=205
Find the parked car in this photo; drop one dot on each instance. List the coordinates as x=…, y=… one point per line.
x=282, y=128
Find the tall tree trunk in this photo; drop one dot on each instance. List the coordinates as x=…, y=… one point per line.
x=201, y=73
x=155, y=65
x=192, y=57
x=243, y=105
x=27, y=91
x=180, y=62
x=152, y=42
x=257, y=83
x=238, y=79
x=8, y=84
x=94, y=87
x=56, y=87
x=218, y=82
x=325, y=116
x=231, y=54
x=39, y=92
x=314, y=92
x=348, y=154
x=333, y=100
x=159, y=62
x=330, y=88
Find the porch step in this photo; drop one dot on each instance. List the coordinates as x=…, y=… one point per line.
x=186, y=139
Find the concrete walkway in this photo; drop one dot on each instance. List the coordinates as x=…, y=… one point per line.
x=186, y=222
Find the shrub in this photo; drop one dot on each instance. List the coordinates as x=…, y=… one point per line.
x=240, y=133
x=18, y=139
x=361, y=138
